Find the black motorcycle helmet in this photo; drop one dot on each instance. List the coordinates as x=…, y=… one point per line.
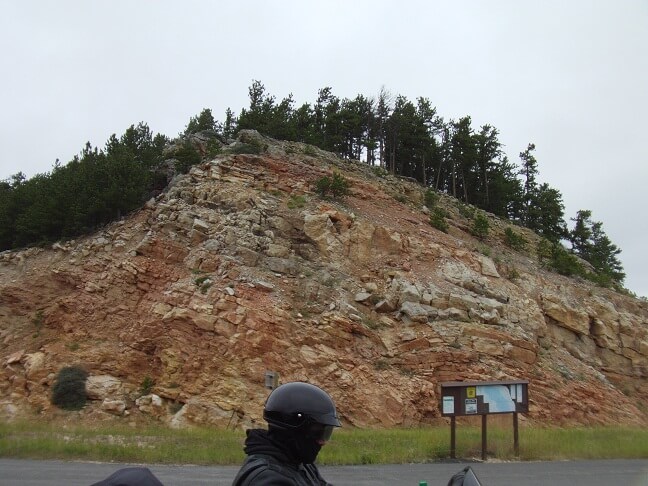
x=302, y=409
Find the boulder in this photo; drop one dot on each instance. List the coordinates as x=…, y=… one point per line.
x=362, y=296
x=416, y=312
x=488, y=267
x=100, y=387
x=385, y=305
x=152, y=405
x=564, y=314
x=115, y=407
x=34, y=363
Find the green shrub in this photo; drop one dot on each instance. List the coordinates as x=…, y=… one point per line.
x=247, y=148
x=600, y=279
x=431, y=198
x=186, y=157
x=296, y=202
x=485, y=250
x=213, y=147
x=543, y=249
x=323, y=185
x=555, y=257
x=337, y=186
x=38, y=319
x=565, y=263
x=69, y=391
x=514, y=240
x=466, y=210
x=310, y=150
x=204, y=283
x=437, y=220
x=480, y=226
x=513, y=273
x=202, y=279
x=147, y=386
x=379, y=171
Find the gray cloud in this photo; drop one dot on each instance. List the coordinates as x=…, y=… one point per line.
x=567, y=76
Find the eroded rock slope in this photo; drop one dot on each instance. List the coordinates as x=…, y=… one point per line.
x=239, y=267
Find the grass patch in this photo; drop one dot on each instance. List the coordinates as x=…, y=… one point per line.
x=400, y=198
x=296, y=202
x=393, y=446
x=584, y=443
x=152, y=444
x=210, y=446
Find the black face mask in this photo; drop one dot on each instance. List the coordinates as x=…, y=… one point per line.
x=306, y=449
x=300, y=447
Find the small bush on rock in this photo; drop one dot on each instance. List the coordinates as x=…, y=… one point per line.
x=337, y=186
x=247, y=148
x=438, y=220
x=480, y=226
x=514, y=240
x=69, y=391
x=147, y=386
x=431, y=198
x=296, y=202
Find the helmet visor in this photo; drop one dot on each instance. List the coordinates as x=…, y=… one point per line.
x=318, y=431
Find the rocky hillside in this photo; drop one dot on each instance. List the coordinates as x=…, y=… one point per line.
x=177, y=311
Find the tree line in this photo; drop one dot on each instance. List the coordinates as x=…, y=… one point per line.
x=93, y=189
x=410, y=139
x=403, y=137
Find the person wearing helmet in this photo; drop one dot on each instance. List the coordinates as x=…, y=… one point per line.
x=301, y=418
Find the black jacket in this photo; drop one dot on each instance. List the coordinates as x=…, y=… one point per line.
x=269, y=462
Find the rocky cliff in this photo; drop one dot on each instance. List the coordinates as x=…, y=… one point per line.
x=177, y=311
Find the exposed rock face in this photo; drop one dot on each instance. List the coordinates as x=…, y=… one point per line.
x=222, y=278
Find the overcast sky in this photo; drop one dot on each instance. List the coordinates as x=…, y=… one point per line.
x=569, y=76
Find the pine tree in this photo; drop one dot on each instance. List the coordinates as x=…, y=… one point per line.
x=204, y=121
x=259, y=114
x=229, y=127
x=383, y=110
x=590, y=242
x=529, y=172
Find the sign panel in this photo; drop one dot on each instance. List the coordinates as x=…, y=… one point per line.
x=481, y=398
x=471, y=405
x=448, y=405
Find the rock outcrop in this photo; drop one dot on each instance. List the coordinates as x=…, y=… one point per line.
x=239, y=268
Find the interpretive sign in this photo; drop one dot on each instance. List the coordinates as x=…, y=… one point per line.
x=471, y=398
x=465, y=398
